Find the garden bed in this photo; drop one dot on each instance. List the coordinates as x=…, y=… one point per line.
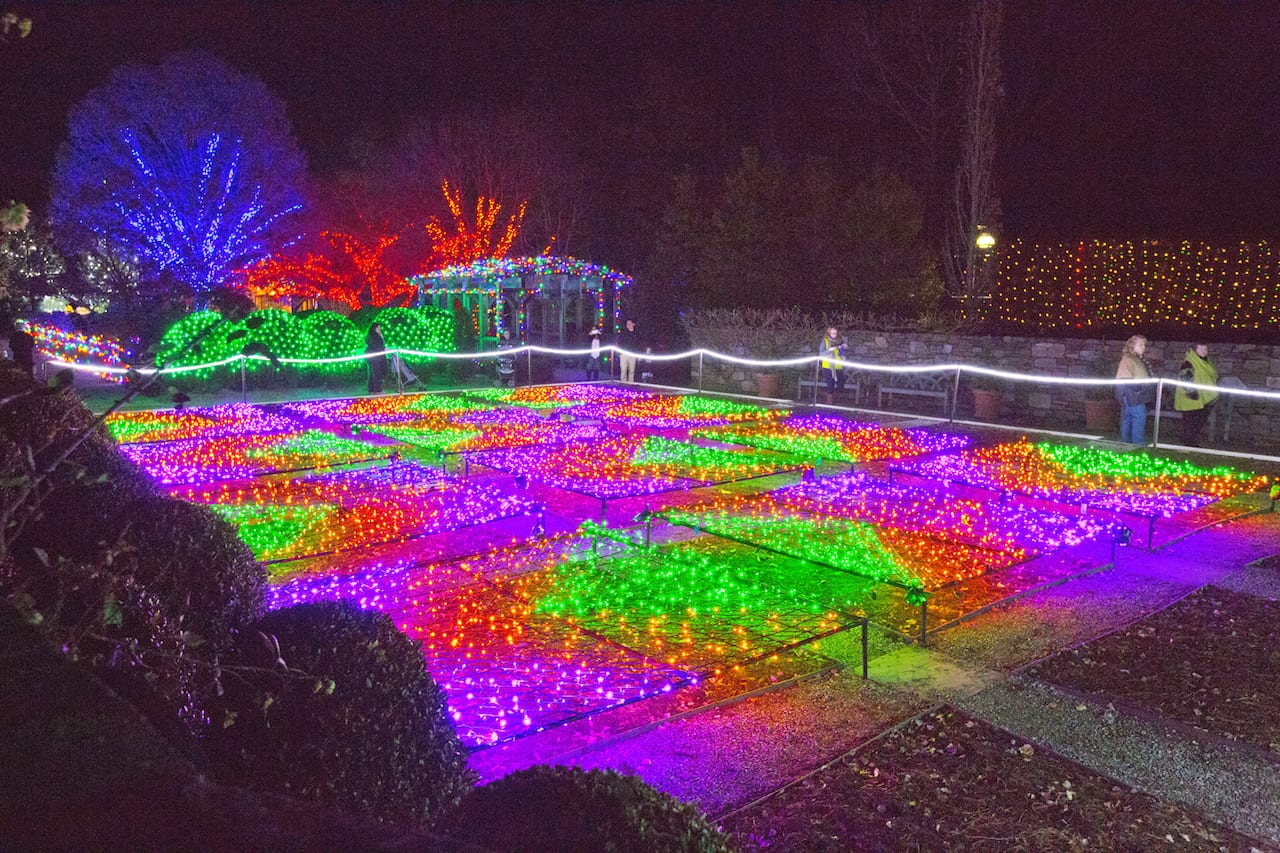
x=1210, y=660
x=946, y=781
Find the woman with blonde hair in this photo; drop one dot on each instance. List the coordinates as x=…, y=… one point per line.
x=1133, y=398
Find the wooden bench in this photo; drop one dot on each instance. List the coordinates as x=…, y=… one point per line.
x=854, y=381
x=937, y=386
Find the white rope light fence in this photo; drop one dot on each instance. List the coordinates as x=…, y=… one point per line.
x=958, y=370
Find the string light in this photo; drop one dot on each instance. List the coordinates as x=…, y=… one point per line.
x=630, y=465
x=229, y=458
x=225, y=421
x=1101, y=284
x=286, y=518
x=506, y=671
x=1135, y=483
x=80, y=348
x=818, y=437
x=537, y=632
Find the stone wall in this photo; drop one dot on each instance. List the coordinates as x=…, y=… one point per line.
x=1030, y=404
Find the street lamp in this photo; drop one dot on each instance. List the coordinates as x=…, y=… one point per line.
x=986, y=241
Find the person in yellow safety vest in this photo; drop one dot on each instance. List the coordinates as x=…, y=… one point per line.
x=1195, y=403
x=832, y=347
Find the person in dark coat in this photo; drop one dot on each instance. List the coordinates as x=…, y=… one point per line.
x=629, y=340
x=23, y=346
x=373, y=344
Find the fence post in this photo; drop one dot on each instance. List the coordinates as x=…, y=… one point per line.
x=955, y=396
x=395, y=362
x=1155, y=430
x=699, y=371
x=244, y=388
x=528, y=363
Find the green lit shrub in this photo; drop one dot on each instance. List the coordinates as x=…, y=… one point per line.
x=198, y=338
x=328, y=334
x=426, y=329
x=332, y=704
x=271, y=329
x=570, y=809
x=317, y=334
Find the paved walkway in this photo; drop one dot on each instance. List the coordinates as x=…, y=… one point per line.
x=739, y=752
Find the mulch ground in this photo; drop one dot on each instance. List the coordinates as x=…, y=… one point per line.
x=948, y=781
x=1272, y=562
x=1211, y=660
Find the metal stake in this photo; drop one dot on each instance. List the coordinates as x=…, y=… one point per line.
x=244, y=390
x=1155, y=430
x=864, y=648
x=955, y=396
x=699, y=371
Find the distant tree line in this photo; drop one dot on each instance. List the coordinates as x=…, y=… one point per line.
x=178, y=178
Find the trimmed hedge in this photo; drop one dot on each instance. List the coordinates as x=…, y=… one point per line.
x=354, y=722
x=316, y=334
x=570, y=809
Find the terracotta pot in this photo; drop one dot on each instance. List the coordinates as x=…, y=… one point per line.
x=767, y=384
x=1101, y=415
x=986, y=404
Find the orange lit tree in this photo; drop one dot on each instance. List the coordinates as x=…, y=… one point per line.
x=470, y=241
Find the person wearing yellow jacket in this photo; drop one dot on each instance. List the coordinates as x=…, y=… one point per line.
x=1195, y=403
x=832, y=347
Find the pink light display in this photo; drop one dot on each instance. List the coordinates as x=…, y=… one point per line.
x=285, y=518
x=674, y=412
x=225, y=421
x=201, y=460
x=828, y=437
x=506, y=670
x=1136, y=483
x=630, y=465
x=370, y=410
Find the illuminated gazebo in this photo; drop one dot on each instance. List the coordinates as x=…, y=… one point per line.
x=546, y=300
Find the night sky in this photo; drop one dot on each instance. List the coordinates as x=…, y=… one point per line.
x=1135, y=119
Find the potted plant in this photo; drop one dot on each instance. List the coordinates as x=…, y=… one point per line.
x=1101, y=409
x=988, y=391
x=988, y=397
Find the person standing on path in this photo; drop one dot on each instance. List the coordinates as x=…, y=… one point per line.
x=629, y=340
x=832, y=347
x=1194, y=403
x=593, y=360
x=1133, y=399
x=23, y=346
x=376, y=348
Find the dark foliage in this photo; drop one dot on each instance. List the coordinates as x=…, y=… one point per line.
x=93, y=769
x=332, y=704
x=144, y=589
x=570, y=809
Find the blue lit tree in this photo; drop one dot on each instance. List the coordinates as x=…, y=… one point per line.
x=189, y=166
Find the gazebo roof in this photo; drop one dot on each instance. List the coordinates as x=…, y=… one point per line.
x=492, y=270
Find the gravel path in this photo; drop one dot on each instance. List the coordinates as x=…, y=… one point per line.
x=1141, y=582
x=1232, y=786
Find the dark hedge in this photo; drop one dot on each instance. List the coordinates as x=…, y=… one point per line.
x=569, y=809
x=350, y=719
